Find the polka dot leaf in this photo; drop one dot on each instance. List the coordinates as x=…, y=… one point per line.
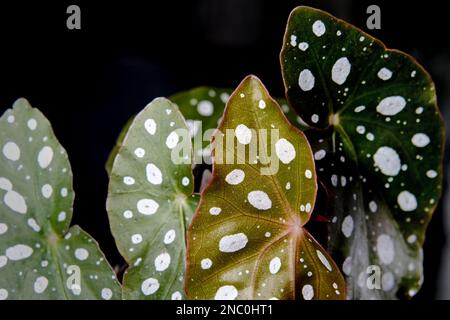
x=377, y=136
x=202, y=107
x=247, y=239
x=150, y=202
x=41, y=256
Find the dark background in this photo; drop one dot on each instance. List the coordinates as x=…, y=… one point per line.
x=88, y=82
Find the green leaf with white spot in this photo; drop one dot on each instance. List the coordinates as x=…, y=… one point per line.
x=40, y=256
x=150, y=202
x=247, y=239
x=378, y=141
x=202, y=107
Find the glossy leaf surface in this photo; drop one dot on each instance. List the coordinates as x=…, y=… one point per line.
x=202, y=107
x=378, y=147
x=247, y=239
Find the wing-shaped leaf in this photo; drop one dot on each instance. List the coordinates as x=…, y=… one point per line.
x=150, y=202
x=40, y=257
x=379, y=151
x=247, y=239
x=202, y=107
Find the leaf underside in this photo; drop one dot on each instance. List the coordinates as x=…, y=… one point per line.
x=40, y=256
x=378, y=140
x=150, y=203
x=247, y=239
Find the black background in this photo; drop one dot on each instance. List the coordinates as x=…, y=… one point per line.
x=88, y=82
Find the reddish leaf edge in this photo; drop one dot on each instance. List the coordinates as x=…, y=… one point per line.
x=302, y=233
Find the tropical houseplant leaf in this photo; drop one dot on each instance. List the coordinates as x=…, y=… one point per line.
x=150, y=202
x=378, y=142
x=41, y=256
x=247, y=239
x=202, y=107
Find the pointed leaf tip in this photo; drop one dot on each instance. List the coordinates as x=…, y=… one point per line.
x=381, y=159
x=251, y=243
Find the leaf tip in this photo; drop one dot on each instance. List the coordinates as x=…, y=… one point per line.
x=21, y=103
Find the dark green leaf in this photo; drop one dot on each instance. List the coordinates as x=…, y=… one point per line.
x=380, y=154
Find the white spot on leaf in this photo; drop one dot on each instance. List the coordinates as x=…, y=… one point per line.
x=347, y=226
x=19, y=252
x=307, y=292
x=3, y=228
x=169, y=237
x=215, y=211
x=341, y=70
x=107, y=293
x=243, y=134
x=407, y=201
x=384, y=74
x=5, y=184
x=226, y=293
x=387, y=160
x=15, y=201
x=172, y=140
x=420, y=140
x=206, y=263
x=261, y=104
x=385, y=249
x=233, y=243
x=149, y=286
x=259, y=199
x=47, y=191
x=205, y=108
x=306, y=80
x=319, y=155
x=139, y=152
x=150, y=126
x=32, y=124
x=40, y=285
x=162, y=261
x=136, y=238
x=359, y=109
x=324, y=260
x=147, y=206
x=318, y=28
x=431, y=174
x=129, y=181
x=390, y=106
x=11, y=151
x=3, y=294
x=387, y=281
x=45, y=157
x=235, y=177
x=33, y=225
x=154, y=175
x=81, y=254
x=285, y=151
x=185, y=181
x=303, y=46
x=275, y=265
